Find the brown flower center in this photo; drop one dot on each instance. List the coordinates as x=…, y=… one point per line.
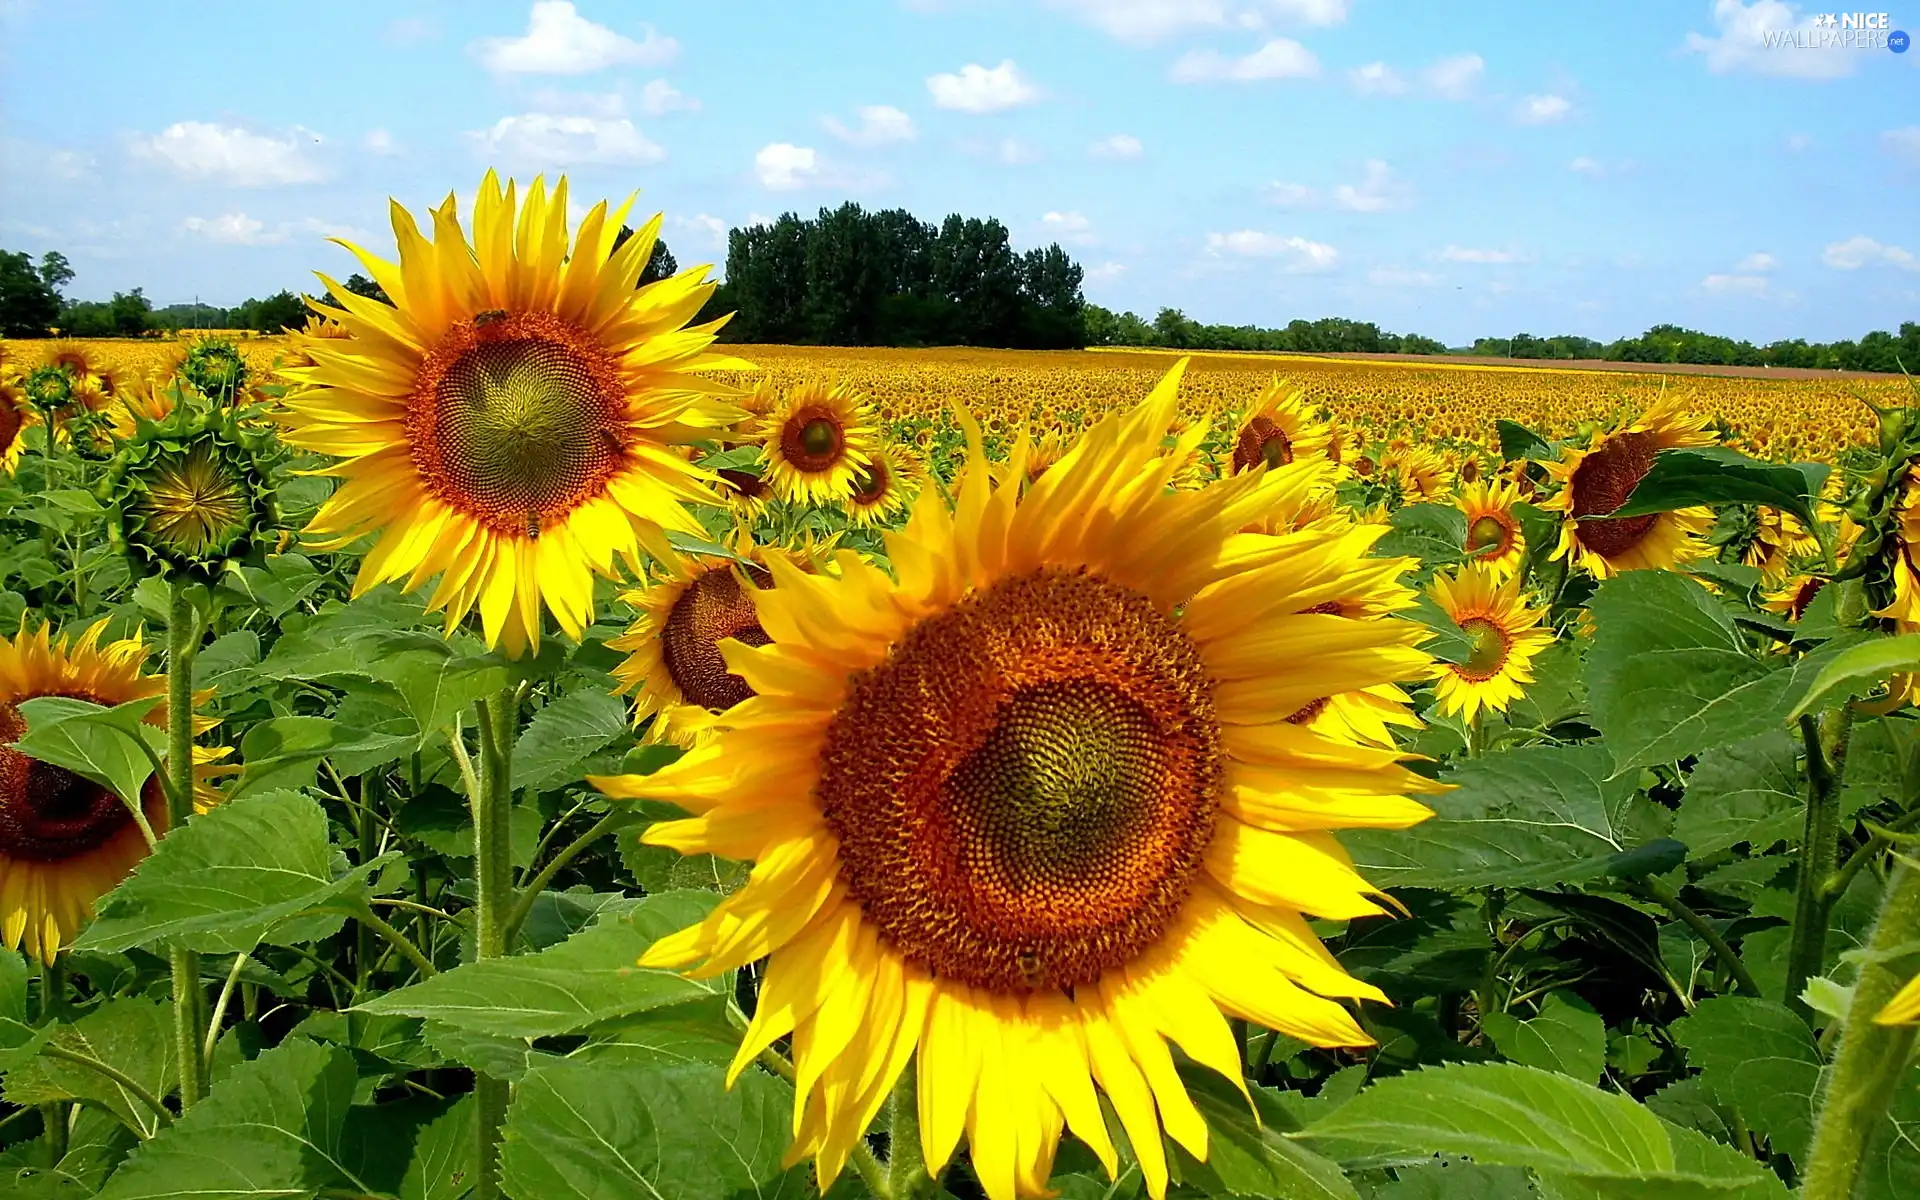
x=48, y=813
x=1024, y=789
x=711, y=608
x=812, y=440
x=1261, y=441
x=1488, y=537
x=517, y=419
x=1601, y=483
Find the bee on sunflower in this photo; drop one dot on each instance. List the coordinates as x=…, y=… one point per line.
x=66, y=841
x=817, y=441
x=1597, y=481
x=1505, y=634
x=939, y=882
x=509, y=423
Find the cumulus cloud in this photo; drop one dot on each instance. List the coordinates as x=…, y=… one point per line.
x=659, y=98
x=703, y=229
x=1377, y=190
x=1070, y=227
x=1756, y=262
x=1466, y=254
x=978, y=89
x=1289, y=195
x=785, y=167
x=232, y=229
x=1736, y=285
x=1106, y=272
x=1012, y=152
x=1862, y=251
x=234, y=156
x=1293, y=253
x=1144, y=22
x=1741, y=43
x=379, y=141
x=1377, y=79
x=1455, y=78
x=1280, y=58
x=1116, y=147
x=1544, y=109
x=880, y=125
x=559, y=41
x=1589, y=167
x=541, y=140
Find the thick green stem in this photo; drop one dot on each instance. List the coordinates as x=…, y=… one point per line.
x=1819, y=849
x=189, y=995
x=493, y=884
x=119, y=1078
x=531, y=892
x=1730, y=961
x=907, y=1177
x=1872, y=1059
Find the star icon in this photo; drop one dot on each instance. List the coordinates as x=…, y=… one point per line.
x=1826, y=19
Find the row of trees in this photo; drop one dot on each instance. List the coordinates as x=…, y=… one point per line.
x=1173, y=329
x=850, y=277
x=32, y=305
x=1877, y=351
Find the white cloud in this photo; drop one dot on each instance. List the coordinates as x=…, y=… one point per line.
x=1755, y=263
x=1070, y=227
x=1736, y=285
x=1904, y=143
x=1589, y=167
x=1281, y=58
x=784, y=167
x=1455, y=78
x=1401, y=277
x=1742, y=44
x=1144, y=22
x=1289, y=195
x=1377, y=79
x=379, y=141
x=1544, y=109
x=1377, y=191
x=1012, y=152
x=880, y=125
x=234, y=156
x=232, y=229
x=703, y=229
x=559, y=41
x=540, y=140
x=978, y=89
x=1862, y=251
x=1106, y=272
x=1118, y=146
x=1465, y=254
x=1296, y=253
x=659, y=98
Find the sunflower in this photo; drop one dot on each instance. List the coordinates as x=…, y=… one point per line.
x=1505, y=636
x=1791, y=599
x=1778, y=540
x=65, y=841
x=1280, y=429
x=80, y=366
x=1905, y=604
x=509, y=422
x=16, y=417
x=190, y=494
x=1422, y=473
x=1494, y=538
x=1597, y=481
x=1904, y=1008
x=1035, y=809
x=816, y=443
x=882, y=487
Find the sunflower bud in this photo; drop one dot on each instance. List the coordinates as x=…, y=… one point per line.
x=216, y=367
x=190, y=494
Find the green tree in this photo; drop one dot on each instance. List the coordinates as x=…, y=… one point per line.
x=29, y=306
x=360, y=285
x=55, y=271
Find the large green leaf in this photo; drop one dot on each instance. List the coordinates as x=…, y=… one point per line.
x=96, y=1144
x=627, y=1127
x=1567, y=1036
x=272, y=1128
x=1747, y=792
x=284, y=751
x=563, y=734
x=417, y=1149
x=132, y=1035
x=1757, y=1057
x=241, y=873
x=93, y=741
x=1517, y=441
x=589, y=978
x=1246, y=1156
x=1531, y=816
x=1436, y=534
x=1501, y=1114
x=1860, y=669
x=1712, y=475
x=19, y=1041
x=1670, y=674
x=437, y=679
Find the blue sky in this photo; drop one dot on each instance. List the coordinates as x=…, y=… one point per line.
x=1455, y=169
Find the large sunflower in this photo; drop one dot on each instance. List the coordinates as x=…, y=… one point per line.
x=510, y=421
x=65, y=841
x=1595, y=482
x=16, y=417
x=1035, y=809
x=1505, y=633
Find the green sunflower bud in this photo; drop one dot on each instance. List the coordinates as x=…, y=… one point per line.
x=49, y=388
x=190, y=494
x=216, y=367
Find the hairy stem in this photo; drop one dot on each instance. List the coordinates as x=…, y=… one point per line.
x=531, y=892
x=1819, y=848
x=493, y=883
x=189, y=996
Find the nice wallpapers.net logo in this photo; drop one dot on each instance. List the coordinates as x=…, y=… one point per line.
x=1841, y=31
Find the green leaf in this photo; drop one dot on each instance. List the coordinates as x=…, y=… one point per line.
x=1500, y=1114
x=96, y=1144
x=228, y=663
x=1711, y=475
x=563, y=734
x=740, y=458
x=1531, y=816
x=132, y=1035
x=417, y=1149
x=232, y=877
x=1747, y=792
x=1436, y=534
x=1248, y=1157
x=285, y=750
x=1517, y=441
x=93, y=741
x=272, y=1128
x=589, y=978
x=1756, y=1056
x=1567, y=1036
x=1860, y=669
x=1670, y=674
x=435, y=678
x=19, y=1041
x=629, y=1128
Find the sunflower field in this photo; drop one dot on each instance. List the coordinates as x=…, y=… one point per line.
x=502, y=743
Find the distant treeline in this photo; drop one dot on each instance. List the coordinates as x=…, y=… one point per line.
x=1877, y=351
x=850, y=277
x=1175, y=330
